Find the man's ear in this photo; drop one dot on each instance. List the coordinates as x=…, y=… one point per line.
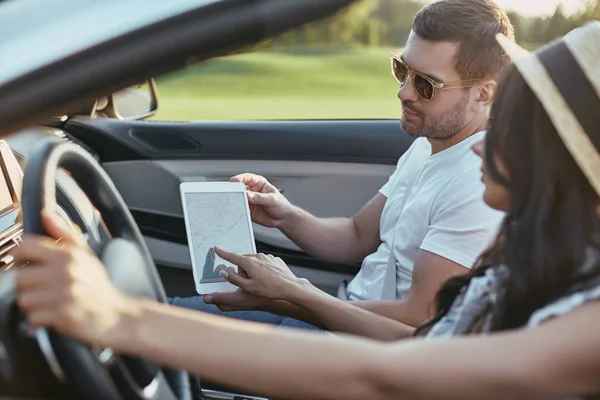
x=487, y=91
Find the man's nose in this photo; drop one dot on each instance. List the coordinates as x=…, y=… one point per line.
x=407, y=91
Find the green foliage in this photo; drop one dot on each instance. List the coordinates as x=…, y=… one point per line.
x=336, y=68
x=590, y=12
x=368, y=22
x=302, y=82
x=388, y=23
x=558, y=25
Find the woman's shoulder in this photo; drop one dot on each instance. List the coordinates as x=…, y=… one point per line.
x=565, y=304
x=472, y=310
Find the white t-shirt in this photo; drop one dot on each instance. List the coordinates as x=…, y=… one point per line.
x=444, y=214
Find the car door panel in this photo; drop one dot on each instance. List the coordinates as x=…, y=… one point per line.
x=324, y=189
x=320, y=188
x=329, y=168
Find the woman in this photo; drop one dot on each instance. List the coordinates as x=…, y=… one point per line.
x=535, y=291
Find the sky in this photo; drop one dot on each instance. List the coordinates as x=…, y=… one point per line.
x=539, y=7
x=535, y=8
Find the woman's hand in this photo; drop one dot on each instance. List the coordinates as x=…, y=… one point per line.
x=64, y=286
x=261, y=275
x=240, y=300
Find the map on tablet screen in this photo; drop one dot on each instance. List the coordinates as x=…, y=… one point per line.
x=216, y=214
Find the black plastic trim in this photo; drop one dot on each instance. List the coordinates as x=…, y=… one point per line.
x=349, y=141
x=172, y=229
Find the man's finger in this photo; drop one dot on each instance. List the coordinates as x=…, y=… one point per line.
x=239, y=178
x=261, y=199
x=249, y=179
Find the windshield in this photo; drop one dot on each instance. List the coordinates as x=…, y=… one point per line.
x=64, y=27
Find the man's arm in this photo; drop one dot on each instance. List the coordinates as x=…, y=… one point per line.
x=461, y=227
x=384, y=320
x=430, y=272
x=341, y=240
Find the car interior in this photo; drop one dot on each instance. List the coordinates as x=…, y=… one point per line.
x=116, y=175
x=328, y=168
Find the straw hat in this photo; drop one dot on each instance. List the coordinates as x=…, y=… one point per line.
x=565, y=77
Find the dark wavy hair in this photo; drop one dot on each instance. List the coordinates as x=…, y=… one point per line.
x=552, y=220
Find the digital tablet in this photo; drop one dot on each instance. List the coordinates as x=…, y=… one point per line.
x=216, y=214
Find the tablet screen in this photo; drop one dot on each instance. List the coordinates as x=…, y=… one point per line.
x=216, y=219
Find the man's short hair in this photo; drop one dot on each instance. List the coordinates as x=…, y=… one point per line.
x=473, y=25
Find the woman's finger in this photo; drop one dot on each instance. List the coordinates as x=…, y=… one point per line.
x=242, y=261
x=58, y=228
x=230, y=299
x=242, y=273
x=42, y=318
x=34, y=276
x=235, y=278
x=227, y=308
x=36, y=249
x=39, y=299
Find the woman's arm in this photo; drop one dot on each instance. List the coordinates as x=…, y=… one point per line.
x=66, y=287
x=269, y=278
x=546, y=362
x=262, y=359
x=322, y=310
x=379, y=319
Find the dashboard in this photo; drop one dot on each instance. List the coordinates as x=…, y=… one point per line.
x=11, y=186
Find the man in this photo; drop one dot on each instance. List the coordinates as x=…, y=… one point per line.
x=430, y=212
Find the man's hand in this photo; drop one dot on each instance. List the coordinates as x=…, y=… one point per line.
x=66, y=287
x=262, y=275
x=268, y=207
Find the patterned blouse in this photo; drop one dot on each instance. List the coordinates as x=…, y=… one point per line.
x=471, y=311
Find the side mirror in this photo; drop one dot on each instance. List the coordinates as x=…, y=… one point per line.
x=132, y=103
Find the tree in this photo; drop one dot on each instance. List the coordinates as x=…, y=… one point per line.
x=558, y=25
x=396, y=17
x=590, y=12
x=517, y=23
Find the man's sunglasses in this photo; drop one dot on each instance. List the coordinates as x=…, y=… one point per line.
x=424, y=86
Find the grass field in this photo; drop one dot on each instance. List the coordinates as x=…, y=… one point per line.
x=304, y=83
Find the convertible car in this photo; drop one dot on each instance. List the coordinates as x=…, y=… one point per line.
x=75, y=136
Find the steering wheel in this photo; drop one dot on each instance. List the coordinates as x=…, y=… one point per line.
x=99, y=374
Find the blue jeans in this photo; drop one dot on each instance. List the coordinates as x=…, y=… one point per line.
x=197, y=303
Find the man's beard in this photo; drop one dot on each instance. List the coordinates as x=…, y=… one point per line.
x=443, y=127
